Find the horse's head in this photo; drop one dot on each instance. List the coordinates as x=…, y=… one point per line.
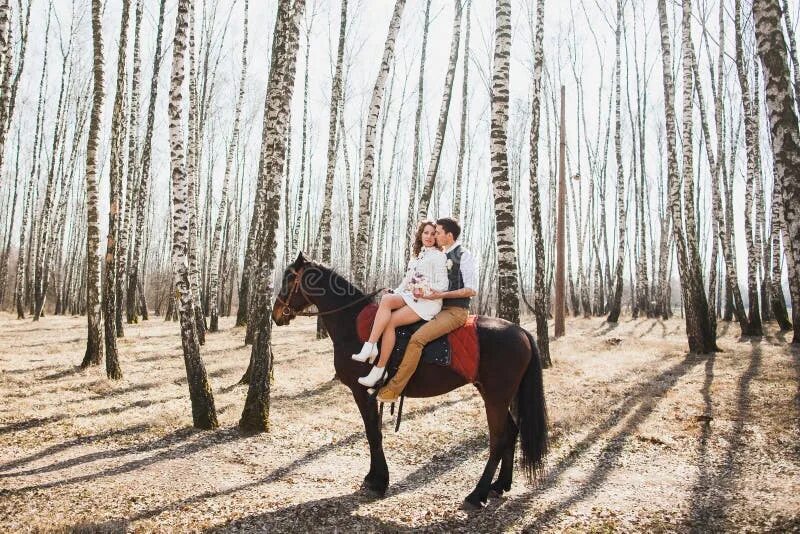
x=292, y=297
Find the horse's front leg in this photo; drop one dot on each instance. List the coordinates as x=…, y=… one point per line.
x=377, y=480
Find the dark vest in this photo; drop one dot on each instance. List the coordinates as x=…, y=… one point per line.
x=456, y=280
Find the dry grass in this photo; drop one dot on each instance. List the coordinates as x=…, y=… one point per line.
x=645, y=438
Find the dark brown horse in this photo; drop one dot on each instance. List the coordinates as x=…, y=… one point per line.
x=509, y=377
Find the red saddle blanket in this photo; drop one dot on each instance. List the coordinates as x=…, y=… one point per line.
x=465, y=351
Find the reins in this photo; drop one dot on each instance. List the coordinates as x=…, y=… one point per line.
x=298, y=287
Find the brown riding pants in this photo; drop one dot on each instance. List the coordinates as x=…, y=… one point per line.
x=444, y=322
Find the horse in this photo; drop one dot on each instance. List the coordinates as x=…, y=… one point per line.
x=509, y=378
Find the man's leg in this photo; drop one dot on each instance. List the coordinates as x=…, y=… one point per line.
x=443, y=323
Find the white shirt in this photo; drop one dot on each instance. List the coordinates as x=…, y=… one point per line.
x=469, y=267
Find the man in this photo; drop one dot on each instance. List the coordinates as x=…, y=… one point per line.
x=462, y=273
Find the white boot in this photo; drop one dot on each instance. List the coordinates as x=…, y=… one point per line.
x=368, y=353
x=375, y=374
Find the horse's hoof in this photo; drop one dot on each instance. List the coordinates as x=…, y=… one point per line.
x=470, y=506
x=497, y=489
x=373, y=488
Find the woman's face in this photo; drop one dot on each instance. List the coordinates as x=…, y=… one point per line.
x=429, y=236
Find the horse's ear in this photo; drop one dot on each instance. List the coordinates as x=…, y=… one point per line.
x=300, y=261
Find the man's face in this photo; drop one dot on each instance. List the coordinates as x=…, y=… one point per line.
x=443, y=239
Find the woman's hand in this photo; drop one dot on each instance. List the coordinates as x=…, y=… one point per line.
x=431, y=295
x=419, y=293
x=385, y=291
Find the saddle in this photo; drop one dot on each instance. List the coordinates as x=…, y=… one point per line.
x=458, y=350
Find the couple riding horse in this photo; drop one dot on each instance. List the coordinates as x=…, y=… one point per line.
x=437, y=288
x=440, y=280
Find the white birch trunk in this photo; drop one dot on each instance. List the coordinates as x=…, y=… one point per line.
x=368, y=168
x=785, y=136
x=507, y=282
x=203, y=411
x=94, y=342
x=224, y=202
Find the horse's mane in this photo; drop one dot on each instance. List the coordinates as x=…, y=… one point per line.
x=337, y=280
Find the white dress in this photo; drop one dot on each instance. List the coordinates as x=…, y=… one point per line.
x=431, y=263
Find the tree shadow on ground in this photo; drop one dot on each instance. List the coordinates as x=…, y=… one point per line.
x=76, y=442
x=712, y=495
x=29, y=370
x=442, y=463
x=604, y=329
x=106, y=527
x=794, y=350
x=640, y=402
x=50, y=342
x=639, y=405
x=328, y=513
x=331, y=511
x=205, y=441
x=320, y=515
x=636, y=407
x=34, y=422
x=700, y=510
x=72, y=370
x=653, y=323
x=285, y=470
x=310, y=393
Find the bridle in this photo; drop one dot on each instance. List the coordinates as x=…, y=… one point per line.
x=297, y=287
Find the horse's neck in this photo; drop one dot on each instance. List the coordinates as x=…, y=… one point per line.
x=341, y=325
x=339, y=315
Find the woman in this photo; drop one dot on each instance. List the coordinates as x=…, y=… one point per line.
x=427, y=271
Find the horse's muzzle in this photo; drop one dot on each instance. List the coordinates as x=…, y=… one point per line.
x=281, y=316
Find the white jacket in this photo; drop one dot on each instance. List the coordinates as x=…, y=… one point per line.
x=432, y=264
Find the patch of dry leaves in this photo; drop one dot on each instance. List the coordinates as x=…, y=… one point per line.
x=644, y=438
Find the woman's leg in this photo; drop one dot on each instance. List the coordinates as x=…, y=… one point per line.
x=387, y=305
x=399, y=317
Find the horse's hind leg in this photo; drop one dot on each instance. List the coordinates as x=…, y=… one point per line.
x=498, y=417
x=503, y=482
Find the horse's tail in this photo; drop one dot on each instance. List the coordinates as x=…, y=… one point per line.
x=532, y=415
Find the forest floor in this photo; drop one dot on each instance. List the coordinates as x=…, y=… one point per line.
x=644, y=437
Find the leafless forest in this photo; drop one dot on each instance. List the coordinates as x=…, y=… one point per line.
x=627, y=174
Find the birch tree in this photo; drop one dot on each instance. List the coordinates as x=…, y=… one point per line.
x=698, y=329
x=436, y=152
x=94, y=346
x=416, y=157
x=368, y=166
x=224, y=203
x=542, y=290
x=133, y=173
x=462, y=136
x=255, y=415
x=203, y=412
x=334, y=138
x=115, y=187
x=507, y=287
x=751, y=145
x=615, y=305
x=138, y=226
x=784, y=134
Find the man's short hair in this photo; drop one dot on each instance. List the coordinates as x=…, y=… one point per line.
x=450, y=226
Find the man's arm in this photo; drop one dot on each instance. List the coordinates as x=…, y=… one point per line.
x=469, y=272
x=456, y=294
